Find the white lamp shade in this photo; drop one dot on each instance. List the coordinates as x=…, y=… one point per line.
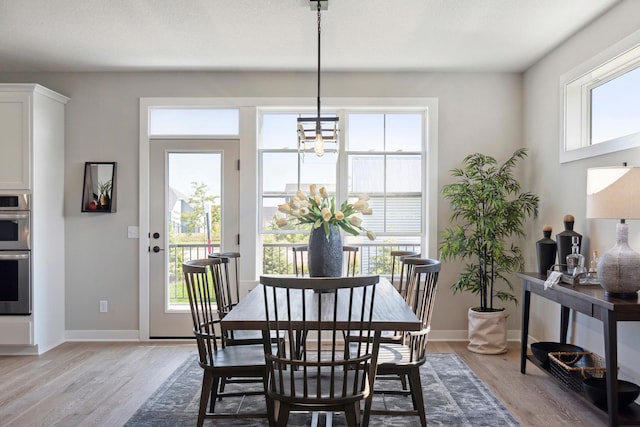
x=613, y=192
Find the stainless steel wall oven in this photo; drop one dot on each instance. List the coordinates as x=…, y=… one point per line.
x=15, y=254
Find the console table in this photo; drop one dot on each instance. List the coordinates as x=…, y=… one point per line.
x=589, y=300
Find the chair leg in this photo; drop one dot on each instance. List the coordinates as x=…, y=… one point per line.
x=367, y=410
x=283, y=415
x=416, y=392
x=352, y=414
x=207, y=382
x=403, y=380
x=223, y=382
x=214, y=394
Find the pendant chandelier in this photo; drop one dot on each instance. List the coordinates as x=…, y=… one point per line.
x=318, y=130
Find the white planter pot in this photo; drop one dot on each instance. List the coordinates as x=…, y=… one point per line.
x=487, y=332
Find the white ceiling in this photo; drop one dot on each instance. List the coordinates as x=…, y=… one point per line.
x=371, y=35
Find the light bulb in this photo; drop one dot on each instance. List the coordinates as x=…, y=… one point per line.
x=318, y=145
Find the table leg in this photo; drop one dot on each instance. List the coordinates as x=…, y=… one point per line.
x=564, y=323
x=611, y=358
x=526, y=301
x=372, y=378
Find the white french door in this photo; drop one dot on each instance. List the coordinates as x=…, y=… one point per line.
x=193, y=210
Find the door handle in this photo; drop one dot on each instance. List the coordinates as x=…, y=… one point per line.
x=157, y=249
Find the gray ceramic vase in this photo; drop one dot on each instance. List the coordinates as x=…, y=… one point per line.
x=325, y=255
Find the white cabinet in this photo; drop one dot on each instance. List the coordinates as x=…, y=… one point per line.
x=32, y=161
x=14, y=140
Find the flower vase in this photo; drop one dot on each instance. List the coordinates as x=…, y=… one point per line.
x=325, y=254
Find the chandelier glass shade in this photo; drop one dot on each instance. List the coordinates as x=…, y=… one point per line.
x=319, y=130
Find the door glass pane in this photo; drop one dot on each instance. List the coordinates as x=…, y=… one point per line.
x=193, y=212
x=9, y=280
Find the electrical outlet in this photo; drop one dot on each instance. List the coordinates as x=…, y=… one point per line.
x=103, y=306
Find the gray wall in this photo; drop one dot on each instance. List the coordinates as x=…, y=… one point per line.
x=478, y=112
x=562, y=187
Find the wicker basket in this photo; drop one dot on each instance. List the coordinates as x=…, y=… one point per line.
x=572, y=368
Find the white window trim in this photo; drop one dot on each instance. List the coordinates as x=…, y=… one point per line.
x=575, y=87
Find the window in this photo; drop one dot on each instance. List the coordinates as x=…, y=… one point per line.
x=601, y=113
x=194, y=121
x=381, y=154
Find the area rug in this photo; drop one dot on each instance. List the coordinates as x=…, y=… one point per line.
x=454, y=396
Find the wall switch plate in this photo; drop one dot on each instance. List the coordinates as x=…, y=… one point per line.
x=103, y=306
x=133, y=232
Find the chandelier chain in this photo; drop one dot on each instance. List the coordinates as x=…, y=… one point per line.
x=318, y=99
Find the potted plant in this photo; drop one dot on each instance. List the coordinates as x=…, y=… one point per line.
x=104, y=199
x=488, y=209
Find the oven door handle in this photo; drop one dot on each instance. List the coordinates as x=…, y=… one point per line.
x=7, y=257
x=13, y=216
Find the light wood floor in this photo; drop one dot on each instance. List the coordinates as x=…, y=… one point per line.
x=102, y=384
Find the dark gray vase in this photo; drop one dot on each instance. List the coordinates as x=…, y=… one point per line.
x=546, y=250
x=325, y=255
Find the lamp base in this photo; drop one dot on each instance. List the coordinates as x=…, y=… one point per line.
x=619, y=267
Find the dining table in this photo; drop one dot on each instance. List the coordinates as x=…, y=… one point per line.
x=390, y=311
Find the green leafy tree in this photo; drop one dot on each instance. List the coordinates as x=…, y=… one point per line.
x=488, y=208
x=196, y=219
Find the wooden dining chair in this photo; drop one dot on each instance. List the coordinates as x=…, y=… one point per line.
x=225, y=301
x=319, y=377
x=217, y=362
x=221, y=279
x=234, y=271
x=351, y=258
x=398, y=271
x=400, y=360
x=405, y=272
x=300, y=260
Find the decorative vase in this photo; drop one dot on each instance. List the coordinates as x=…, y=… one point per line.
x=546, y=250
x=563, y=240
x=325, y=254
x=619, y=267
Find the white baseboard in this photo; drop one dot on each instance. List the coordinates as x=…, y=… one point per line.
x=463, y=335
x=19, y=350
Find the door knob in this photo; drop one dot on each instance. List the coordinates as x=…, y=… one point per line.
x=157, y=249
x=156, y=235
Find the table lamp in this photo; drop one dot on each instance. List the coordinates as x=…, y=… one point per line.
x=614, y=192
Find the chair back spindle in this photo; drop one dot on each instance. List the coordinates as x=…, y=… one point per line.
x=350, y=259
x=300, y=260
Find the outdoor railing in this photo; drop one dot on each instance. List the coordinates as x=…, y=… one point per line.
x=374, y=258
x=277, y=258
x=179, y=253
